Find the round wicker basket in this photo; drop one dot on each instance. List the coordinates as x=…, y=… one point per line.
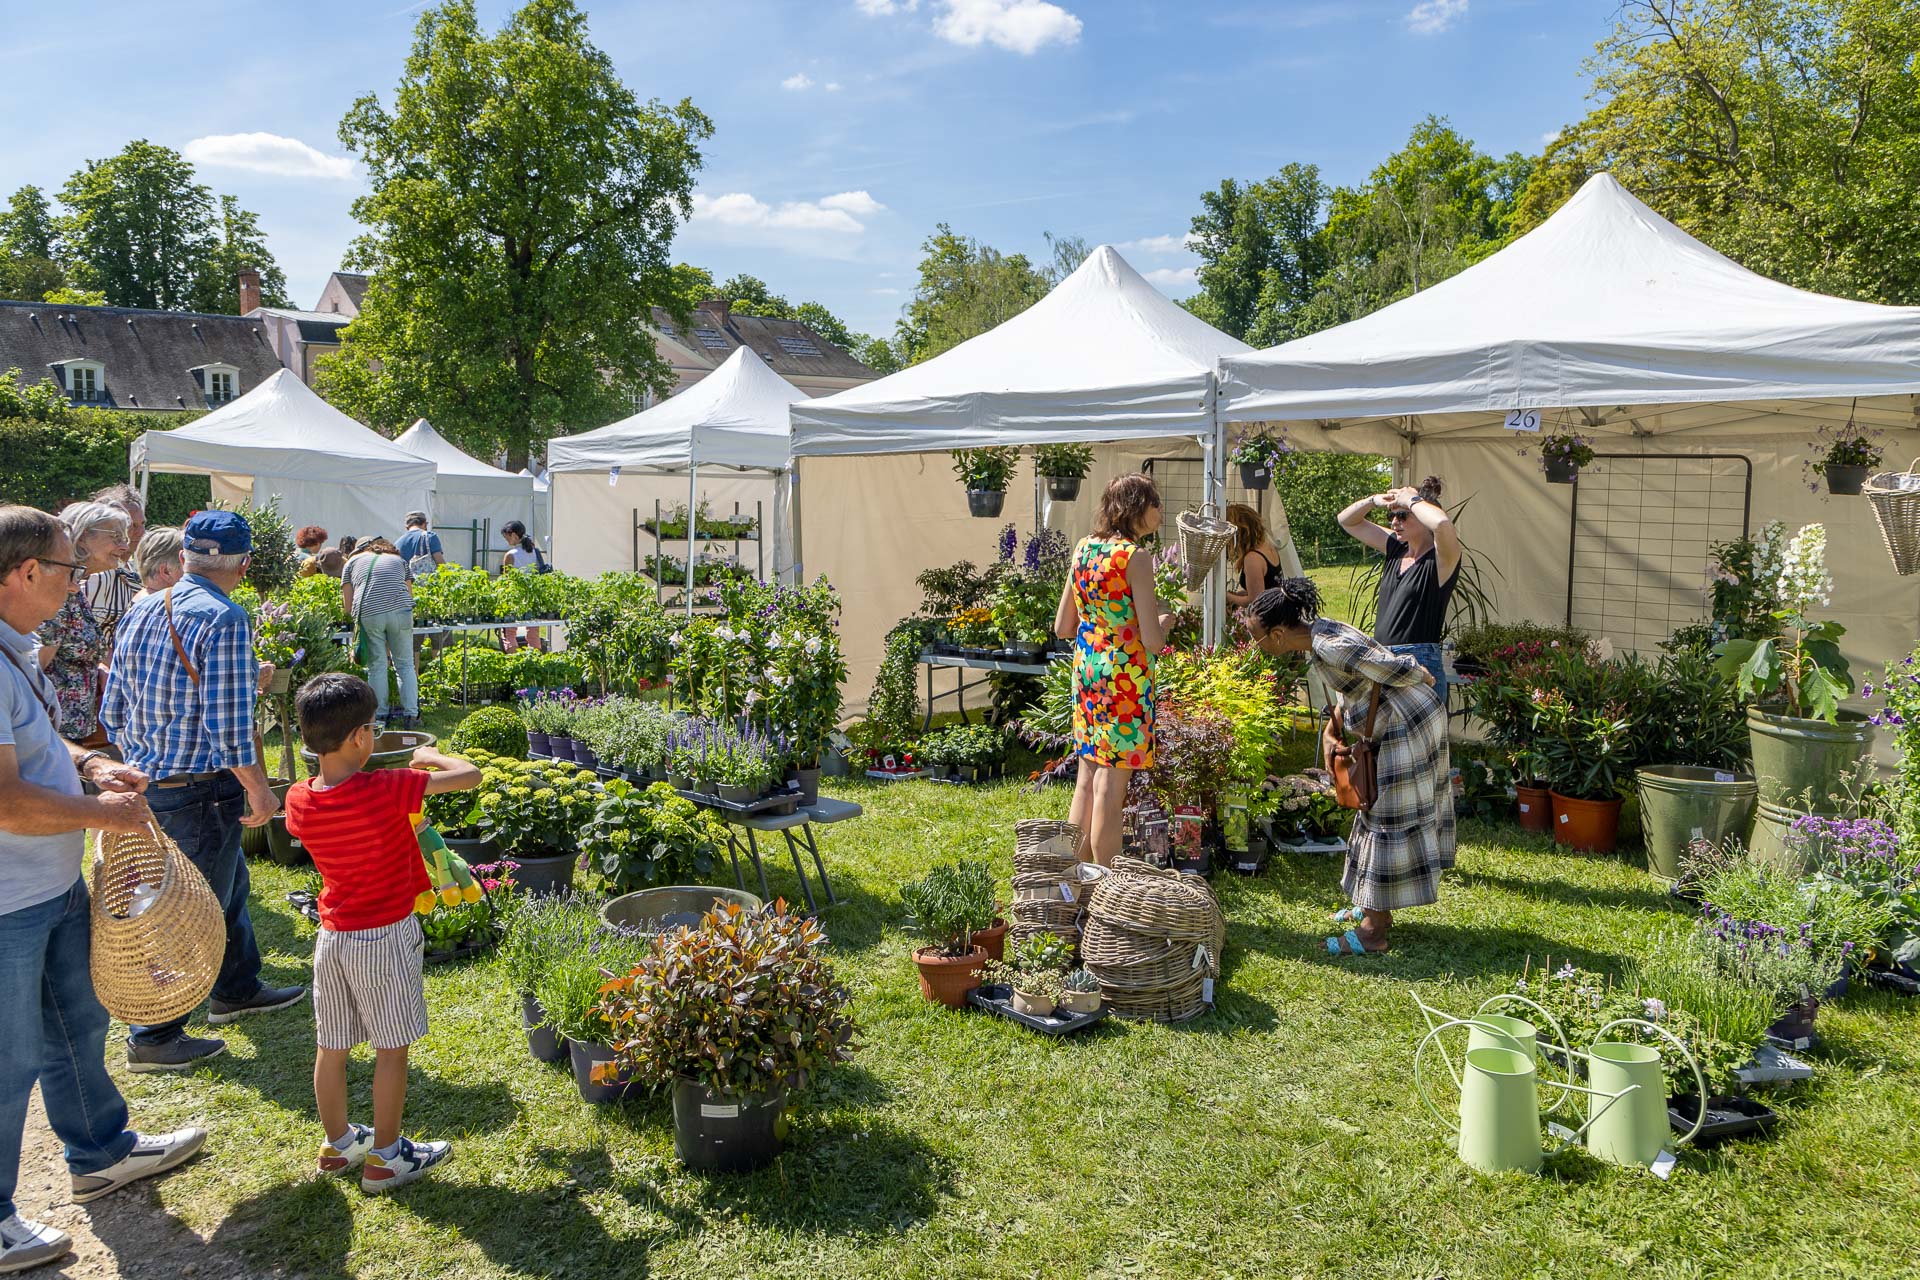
x=1204, y=538
x=1895, y=497
x=1152, y=938
x=158, y=932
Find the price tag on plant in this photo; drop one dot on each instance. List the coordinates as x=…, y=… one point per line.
x=1206, y=990
x=1523, y=420
x=1662, y=1165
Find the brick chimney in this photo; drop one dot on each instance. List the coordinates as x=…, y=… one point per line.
x=719, y=309
x=249, y=291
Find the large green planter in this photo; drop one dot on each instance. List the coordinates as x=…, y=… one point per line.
x=1795, y=758
x=1681, y=803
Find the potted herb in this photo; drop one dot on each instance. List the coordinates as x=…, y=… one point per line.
x=1793, y=679
x=744, y=766
x=1867, y=857
x=641, y=838
x=1034, y=973
x=735, y=1013
x=1258, y=457
x=949, y=904
x=1562, y=454
x=539, y=932
x=1843, y=456
x=985, y=473
x=1080, y=992
x=1064, y=466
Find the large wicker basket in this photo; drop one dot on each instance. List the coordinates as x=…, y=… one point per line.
x=1895, y=496
x=158, y=932
x=1153, y=940
x=1204, y=538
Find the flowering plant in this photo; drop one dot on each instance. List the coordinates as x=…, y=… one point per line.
x=1844, y=446
x=1865, y=856
x=532, y=807
x=1582, y=1001
x=974, y=628
x=451, y=925
x=1800, y=666
x=1564, y=447
x=1261, y=449
x=1304, y=803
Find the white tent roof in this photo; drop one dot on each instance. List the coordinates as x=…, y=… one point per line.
x=459, y=471
x=1604, y=304
x=736, y=416
x=1104, y=356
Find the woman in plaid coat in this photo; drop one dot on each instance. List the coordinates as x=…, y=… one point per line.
x=1399, y=847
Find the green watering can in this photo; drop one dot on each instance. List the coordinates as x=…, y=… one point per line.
x=1637, y=1133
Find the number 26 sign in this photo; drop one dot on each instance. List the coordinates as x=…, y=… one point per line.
x=1523, y=419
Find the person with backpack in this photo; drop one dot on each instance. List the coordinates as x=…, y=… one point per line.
x=523, y=554
x=420, y=545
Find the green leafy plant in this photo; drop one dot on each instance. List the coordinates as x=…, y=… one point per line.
x=539, y=930
x=639, y=838
x=569, y=988
x=629, y=734
x=1063, y=461
x=1564, y=446
x=986, y=469
x=1699, y=721
x=1589, y=722
x=533, y=807
x=744, y=1003
x=951, y=903
x=495, y=730
x=1261, y=449
x=1799, y=667
x=1842, y=446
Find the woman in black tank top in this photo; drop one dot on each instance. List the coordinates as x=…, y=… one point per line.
x=1422, y=551
x=1253, y=553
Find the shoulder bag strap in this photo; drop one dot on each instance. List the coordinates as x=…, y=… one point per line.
x=1373, y=713
x=180, y=650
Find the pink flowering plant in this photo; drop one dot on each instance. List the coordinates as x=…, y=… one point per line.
x=450, y=926
x=1563, y=447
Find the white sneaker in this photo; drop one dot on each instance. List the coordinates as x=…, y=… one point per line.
x=25, y=1243
x=411, y=1162
x=349, y=1154
x=150, y=1155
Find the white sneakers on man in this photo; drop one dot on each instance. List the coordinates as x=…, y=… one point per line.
x=151, y=1154
x=25, y=1243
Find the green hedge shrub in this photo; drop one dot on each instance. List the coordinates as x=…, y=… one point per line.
x=498, y=730
x=53, y=453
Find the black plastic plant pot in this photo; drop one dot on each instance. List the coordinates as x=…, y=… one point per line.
x=1560, y=471
x=1845, y=482
x=585, y=1058
x=986, y=503
x=541, y=875
x=1067, y=488
x=724, y=1132
x=1255, y=475
x=542, y=1043
x=537, y=744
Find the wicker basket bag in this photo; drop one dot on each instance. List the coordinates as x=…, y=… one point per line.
x=1204, y=538
x=158, y=932
x=1895, y=496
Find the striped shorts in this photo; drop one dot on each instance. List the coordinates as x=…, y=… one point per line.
x=368, y=986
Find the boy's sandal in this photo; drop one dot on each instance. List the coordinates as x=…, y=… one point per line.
x=1349, y=914
x=1349, y=944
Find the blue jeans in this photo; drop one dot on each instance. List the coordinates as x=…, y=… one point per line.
x=203, y=818
x=55, y=1032
x=1430, y=657
x=391, y=637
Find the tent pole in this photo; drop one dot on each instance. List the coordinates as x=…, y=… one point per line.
x=693, y=525
x=1210, y=496
x=795, y=569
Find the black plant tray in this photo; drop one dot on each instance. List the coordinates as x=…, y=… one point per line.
x=1726, y=1117
x=1000, y=1000
x=763, y=805
x=1892, y=980
x=461, y=952
x=303, y=902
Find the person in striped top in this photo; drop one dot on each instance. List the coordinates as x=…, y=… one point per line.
x=367, y=981
x=377, y=589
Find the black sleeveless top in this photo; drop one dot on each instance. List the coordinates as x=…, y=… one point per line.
x=1273, y=578
x=1413, y=601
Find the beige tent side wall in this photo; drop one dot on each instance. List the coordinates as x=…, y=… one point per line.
x=593, y=520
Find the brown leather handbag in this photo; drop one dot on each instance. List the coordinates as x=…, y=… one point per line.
x=1355, y=766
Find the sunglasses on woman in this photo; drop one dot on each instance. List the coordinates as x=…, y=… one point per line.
x=1393, y=516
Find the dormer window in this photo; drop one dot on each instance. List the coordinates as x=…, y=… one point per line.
x=219, y=387
x=219, y=383
x=85, y=380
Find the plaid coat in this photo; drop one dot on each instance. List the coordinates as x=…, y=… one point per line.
x=1397, y=850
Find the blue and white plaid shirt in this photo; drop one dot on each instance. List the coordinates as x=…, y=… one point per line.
x=156, y=715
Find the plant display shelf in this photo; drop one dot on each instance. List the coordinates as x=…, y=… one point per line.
x=999, y=1000
x=930, y=658
x=651, y=529
x=795, y=828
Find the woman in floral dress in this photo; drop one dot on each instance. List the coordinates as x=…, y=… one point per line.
x=1109, y=610
x=74, y=646
x=1400, y=846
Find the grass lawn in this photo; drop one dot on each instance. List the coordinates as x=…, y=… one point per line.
x=1278, y=1135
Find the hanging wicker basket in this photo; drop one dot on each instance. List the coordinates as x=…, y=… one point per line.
x=1204, y=538
x=1895, y=496
x=158, y=932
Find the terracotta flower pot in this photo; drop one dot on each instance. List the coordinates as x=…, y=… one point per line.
x=1535, y=808
x=947, y=979
x=1591, y=826
x=992, y=941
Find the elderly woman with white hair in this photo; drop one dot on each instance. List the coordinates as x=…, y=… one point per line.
x=74, y=648
x=157, y=559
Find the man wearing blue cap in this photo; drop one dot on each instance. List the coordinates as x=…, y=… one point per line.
x=179, y=704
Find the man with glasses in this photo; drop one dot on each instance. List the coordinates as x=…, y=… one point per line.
x=1422, y=551
x=52, y=1027
x=180, y=705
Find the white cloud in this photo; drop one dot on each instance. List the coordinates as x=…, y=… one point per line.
x=831, y=86
x=1172, y=278
x=796, y=82
x=1158, y=244
x=884, y=292
x=840, y=213
x=881, y=8
x=1022, y=26
x=266, y=153
x=1431, y=17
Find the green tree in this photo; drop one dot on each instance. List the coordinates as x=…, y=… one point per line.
x=1262, y=249
x=1781, y=132
x=138, y=227
x=1314, y=488
x=878, y=354
x=750, y=296
x=241, y=244
x=965, y=289
x=523, y=205
x=29, y=247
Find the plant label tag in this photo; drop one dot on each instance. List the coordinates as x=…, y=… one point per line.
x=1206, y=990
x=1663, y=1164
x=1565, y=818
x=1721, y=775
x=1066, y=892
x=720, y=1111
x=1561, y=1132
x=1246, y=866
x=1523, y=420
x=1697, y=834
x=613, y=476
x=1525, y=807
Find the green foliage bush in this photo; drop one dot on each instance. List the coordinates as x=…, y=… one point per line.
x=496, y=730
x=53, y=453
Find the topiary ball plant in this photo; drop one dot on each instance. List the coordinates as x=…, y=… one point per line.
x=497, y=730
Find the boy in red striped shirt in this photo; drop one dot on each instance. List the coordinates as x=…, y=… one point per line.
x=367, y=979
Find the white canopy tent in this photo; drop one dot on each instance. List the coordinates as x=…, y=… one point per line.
x=1104, y=359
x=1699, y=382
x=542, y=525
x=471, y=498
x=732, y=424
x=282, y=439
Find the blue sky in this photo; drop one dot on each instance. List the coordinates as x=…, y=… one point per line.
x=844, y=129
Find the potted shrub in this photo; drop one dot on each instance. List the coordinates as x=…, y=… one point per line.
x=569, y=994
x=1080, y=992
x=641, y=838
x=1259, y=457
x=734, y=1013
x=540, y=931
x=1697, y=787
x=985, y=473
x=498, y=731
x=1843, y=456
x=1793, y=679
x=1562, y=454
x=1587, y=734
x=1064, y=466
x=531, y=810
x=1023, y=609
x=949, y=904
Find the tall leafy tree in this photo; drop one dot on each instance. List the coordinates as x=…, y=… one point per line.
x=29, y=247
x=1261, y=252
x=241, y=244
x=524, y=201
x=965, y=289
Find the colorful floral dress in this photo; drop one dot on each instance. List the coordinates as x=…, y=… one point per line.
x=1112, y=670
x=78, y=650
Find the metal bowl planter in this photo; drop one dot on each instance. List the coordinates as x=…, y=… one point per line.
x=1792, y=757
x=658, y=910
x=391, y=750
x=253, y=840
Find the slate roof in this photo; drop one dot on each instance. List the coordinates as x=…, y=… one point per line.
x=790, y=348
x=353, y=285
x=149, y=356
x=313, y=326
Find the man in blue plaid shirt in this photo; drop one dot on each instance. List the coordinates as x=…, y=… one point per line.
x=179, y=704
